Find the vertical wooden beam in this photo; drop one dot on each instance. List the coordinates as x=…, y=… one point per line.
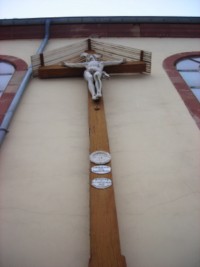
x=89, y=44
x=41, y=59
x=141, y=55
x=104, y=233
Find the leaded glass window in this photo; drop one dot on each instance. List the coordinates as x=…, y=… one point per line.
x=6, y=72
x=189, y=69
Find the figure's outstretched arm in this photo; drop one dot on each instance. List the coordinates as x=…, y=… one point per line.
x=114, y=62
x=73, y=65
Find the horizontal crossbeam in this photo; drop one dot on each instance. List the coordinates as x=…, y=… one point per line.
x=57, y=71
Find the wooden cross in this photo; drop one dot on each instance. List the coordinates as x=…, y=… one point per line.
x=105, y=248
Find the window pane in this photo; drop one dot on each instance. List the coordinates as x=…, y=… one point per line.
x=6, y=68
x=196, y=92
x=4, y=79
x=191, y=78
x=6, y=72
x=188, y=64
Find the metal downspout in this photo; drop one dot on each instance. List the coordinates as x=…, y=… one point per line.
x=13, y=106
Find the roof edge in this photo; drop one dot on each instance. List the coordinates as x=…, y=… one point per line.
x=102, y=20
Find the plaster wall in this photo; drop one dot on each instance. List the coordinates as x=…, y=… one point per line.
x=155, y=147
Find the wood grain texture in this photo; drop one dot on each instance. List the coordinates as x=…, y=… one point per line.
x=104, y=233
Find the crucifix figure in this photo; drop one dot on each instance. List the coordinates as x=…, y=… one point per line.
x=105, y=248
x=94, y=72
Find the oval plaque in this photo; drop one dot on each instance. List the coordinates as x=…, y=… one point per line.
x=101, y=169
x=100, y=157
x=101, y=183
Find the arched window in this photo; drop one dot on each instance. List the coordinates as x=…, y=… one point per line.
x=6, y=72
x=12, y=71
x=183, y=71
x=189, y=69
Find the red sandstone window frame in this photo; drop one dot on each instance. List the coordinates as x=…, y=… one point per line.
x=14, y=83
x=181, y=86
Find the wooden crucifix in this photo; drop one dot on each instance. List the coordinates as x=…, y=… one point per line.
x=105, y=248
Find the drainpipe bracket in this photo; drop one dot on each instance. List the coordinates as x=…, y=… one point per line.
x=4, y=130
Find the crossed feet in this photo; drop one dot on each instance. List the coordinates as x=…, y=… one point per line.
x=96, y=97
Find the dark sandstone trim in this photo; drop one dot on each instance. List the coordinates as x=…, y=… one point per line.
x=184, y=91
x=14, y=83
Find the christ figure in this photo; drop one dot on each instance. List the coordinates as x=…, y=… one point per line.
x=94, y=72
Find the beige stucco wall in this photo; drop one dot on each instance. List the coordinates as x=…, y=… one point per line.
x=155, y=146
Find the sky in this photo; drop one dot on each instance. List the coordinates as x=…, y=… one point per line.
x=75, y=8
